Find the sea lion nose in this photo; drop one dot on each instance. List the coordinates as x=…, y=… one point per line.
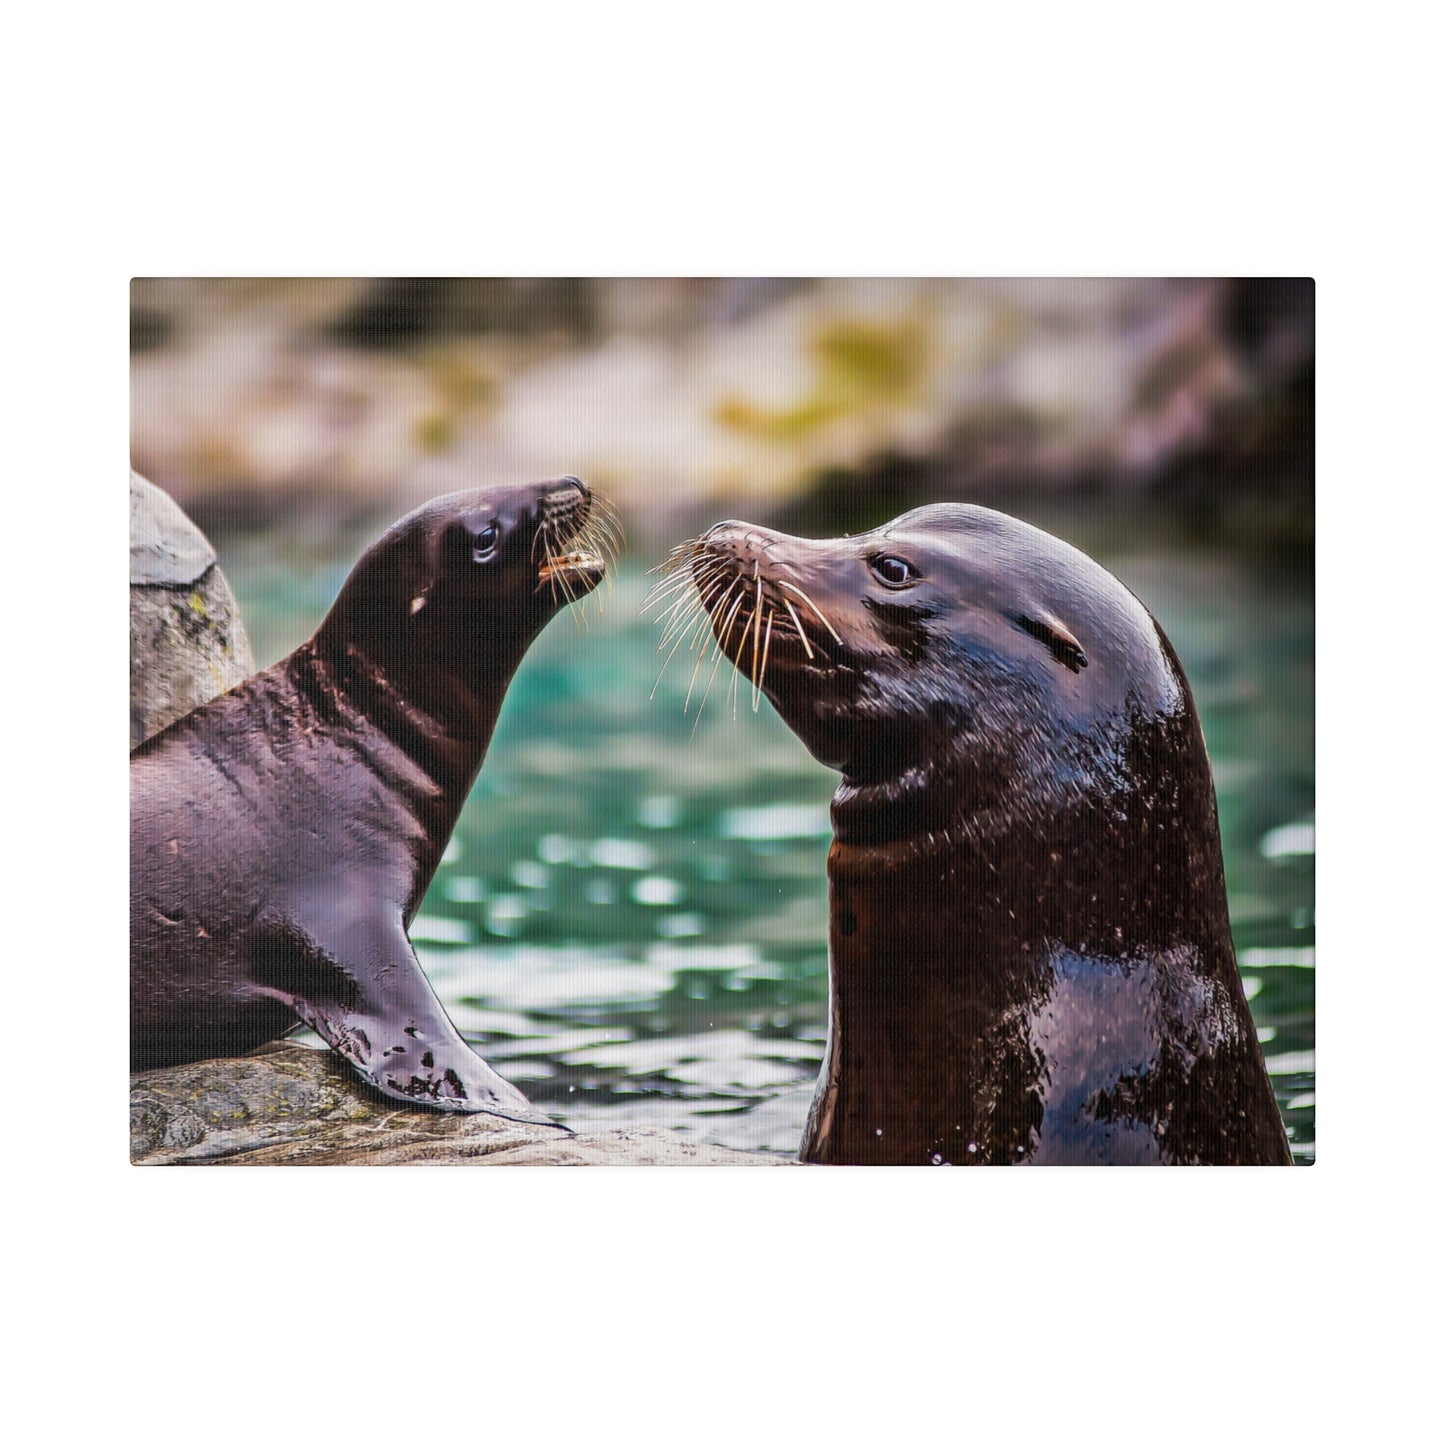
x=720, y=530
x=742, y=539
x=576, y=482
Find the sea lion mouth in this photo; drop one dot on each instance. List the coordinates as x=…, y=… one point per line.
x=574, y=573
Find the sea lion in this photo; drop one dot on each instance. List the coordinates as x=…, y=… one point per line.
x=1029, y=949
x=283, y=834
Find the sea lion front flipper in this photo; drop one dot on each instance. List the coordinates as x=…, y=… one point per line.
x=370, y=1000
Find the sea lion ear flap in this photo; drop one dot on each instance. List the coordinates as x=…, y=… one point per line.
x=426, y=567
x=1056, y=637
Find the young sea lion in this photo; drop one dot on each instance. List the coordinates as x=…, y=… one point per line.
x=1029, y=948
x=283, y=835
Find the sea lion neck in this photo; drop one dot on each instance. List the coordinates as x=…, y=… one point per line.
x=947, y=782
x=1136, y=807
x=430, y=649
x=441, y=717
x=980, y=972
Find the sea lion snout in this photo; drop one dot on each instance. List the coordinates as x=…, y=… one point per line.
x=565, y=495
x=738, y=537
x=576, y=528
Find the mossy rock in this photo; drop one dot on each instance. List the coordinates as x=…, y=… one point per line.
x=187, y=642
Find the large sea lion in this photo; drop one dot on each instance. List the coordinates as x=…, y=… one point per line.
x=1029, y=948
x=283, y=834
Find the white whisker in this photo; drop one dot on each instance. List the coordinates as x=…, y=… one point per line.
x=757, y=632
x=722, y=643
x=763, y=674
x=681, y=634
x=815, y=608
x=802, y=636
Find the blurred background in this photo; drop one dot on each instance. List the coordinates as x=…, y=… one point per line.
x=631, y=920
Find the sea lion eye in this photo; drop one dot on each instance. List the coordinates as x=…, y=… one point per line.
x=894, y=571
x=484, y=545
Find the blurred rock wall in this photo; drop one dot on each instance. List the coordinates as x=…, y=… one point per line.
x=681, y=397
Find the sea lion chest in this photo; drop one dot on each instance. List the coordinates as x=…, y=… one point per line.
x=255, y=825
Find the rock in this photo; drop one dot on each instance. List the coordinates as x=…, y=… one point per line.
x=187, y=643
x=288, y=1104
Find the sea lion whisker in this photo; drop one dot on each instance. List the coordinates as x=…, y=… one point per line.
x=600, y=536
x=738, y=660
x=595, y=537
x=706, y=692
x=757, y=631
x=682, y=633
x=680, y=614
x=679, y=627
x=763, y=675
x=737, y=672
x=671, y=595
x=802, y=636
x=814, y=606
x=690, y=618
x=701, y=632
x=703, y=618
x=558, y=575
x=700, y=580
x=598, y=522
x=702, y=653
x=548, y=561
x=683, y=552
x=610, y=513
x=728, y=621
x=714, y=607
x=720, y=638
x=673, y=583
x=676, y=619
x=717, y=658
x=691, y=683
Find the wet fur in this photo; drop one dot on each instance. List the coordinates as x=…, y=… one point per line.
x=1029, y=947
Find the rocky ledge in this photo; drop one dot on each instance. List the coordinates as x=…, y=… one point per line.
x=288, y=1104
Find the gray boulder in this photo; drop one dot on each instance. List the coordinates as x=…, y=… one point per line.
x=187, y=643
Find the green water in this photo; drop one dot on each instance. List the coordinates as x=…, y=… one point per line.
x=631, y=920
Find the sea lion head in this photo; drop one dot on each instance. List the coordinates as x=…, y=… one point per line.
x=466, y=581
x=953, y=663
